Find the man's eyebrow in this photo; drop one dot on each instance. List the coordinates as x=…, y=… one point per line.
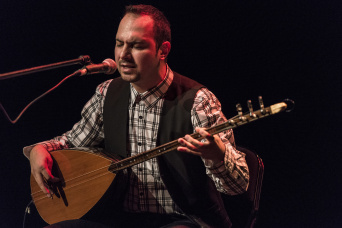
x=132, y=42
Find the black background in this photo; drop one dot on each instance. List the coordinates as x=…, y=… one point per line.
x=240, y=50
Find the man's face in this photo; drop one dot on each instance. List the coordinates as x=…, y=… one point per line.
x=135, y=51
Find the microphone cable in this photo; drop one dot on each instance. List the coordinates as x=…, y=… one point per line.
x=27, y=211
x=76, y=73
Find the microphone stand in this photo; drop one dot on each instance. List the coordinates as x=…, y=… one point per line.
x=84, y=60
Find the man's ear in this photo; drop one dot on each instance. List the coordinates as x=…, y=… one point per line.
x=165, y=50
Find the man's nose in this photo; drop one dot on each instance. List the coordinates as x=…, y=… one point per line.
x=125, y=53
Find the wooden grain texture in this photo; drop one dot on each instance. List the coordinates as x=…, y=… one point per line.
x=85, y=179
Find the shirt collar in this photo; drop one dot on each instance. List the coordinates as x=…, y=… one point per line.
x=153, y=95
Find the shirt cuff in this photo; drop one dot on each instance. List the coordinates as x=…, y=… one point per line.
x=50, y=146
x=215, y=168
x=27, y=151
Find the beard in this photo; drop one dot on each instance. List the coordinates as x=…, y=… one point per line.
x=130, y=77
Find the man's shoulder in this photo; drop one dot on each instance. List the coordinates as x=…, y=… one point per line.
x=186, y=82
x=115, y=82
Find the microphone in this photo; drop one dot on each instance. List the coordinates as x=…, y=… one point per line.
x=108, y=66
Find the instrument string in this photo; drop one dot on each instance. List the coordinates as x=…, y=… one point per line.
x=85, y=174
x=71, y=186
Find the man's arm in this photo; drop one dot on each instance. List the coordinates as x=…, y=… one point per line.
x=88, y=132
x=225, y=165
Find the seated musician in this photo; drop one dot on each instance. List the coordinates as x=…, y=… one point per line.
x=154, y=105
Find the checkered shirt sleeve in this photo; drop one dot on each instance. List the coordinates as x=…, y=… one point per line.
x=88, y=132
x=231, y=176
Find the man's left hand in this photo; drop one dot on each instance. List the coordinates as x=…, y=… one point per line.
x=212, y=148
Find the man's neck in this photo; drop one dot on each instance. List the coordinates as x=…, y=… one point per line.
x=159, y=78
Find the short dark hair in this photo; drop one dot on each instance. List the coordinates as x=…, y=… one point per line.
x=161, y=27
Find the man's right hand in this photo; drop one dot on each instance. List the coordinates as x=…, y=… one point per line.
x=41, y=165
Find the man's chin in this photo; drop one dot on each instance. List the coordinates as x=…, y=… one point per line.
x=129, y=77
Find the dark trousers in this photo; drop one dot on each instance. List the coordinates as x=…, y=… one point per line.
x=130, y=220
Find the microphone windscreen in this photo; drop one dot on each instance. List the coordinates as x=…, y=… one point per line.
x=112, y=66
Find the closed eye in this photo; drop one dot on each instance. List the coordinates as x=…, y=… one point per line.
x=119, y=43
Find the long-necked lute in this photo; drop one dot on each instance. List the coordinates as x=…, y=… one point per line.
x=85, y=176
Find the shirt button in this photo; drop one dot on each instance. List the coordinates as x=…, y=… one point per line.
x=139, y=144
x=140, y=117
x=140, y=169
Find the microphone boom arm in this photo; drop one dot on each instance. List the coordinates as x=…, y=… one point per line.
x=83, y=59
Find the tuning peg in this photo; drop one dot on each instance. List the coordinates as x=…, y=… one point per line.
x=231, y=122
x=250, y=107
x=262, y=107
x=239, y=110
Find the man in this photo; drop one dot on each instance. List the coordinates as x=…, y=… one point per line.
x=149, y=106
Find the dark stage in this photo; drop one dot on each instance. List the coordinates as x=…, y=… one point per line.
x=239, y=50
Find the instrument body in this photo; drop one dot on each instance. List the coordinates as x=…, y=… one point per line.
x=84, y=178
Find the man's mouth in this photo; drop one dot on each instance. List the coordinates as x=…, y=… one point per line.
x=127, y=67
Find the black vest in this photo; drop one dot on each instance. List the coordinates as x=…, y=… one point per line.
x=183, y=174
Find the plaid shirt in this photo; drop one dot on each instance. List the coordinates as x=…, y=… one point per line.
x=147, y=193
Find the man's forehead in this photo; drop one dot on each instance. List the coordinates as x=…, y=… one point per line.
x=137, y=21
x=133, y=26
